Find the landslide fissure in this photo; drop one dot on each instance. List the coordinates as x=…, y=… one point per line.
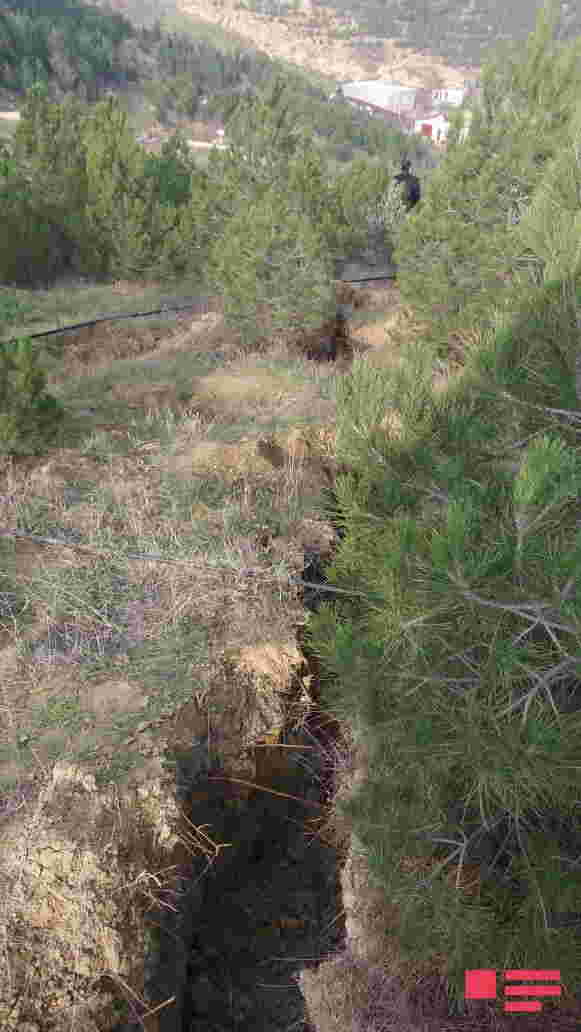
x=241, y=925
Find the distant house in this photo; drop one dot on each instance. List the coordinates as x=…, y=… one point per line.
x=449, y=95
x=435, y=126
x=394, y=119
x=409, y=108
x=381, y=93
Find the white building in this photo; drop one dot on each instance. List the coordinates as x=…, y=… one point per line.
x=381, y=93
x=413, y=109
x=449, y=95
x=435, y=126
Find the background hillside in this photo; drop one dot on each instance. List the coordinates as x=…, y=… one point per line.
x=177, y=69
x=461, y=31
x=423, y=42
x=327, y=44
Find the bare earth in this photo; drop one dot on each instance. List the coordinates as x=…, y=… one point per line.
x=302, y=37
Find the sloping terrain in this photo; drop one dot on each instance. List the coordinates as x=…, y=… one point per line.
x=306, y=38
x=169, y=853
x=316, y=38
x=459, y=31
x=169, y=857
x=155, y=699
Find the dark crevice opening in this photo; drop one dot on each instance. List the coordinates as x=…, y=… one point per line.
x=268, y=907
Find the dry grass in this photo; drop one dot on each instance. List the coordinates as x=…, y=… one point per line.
x=74, y=300
x=146, y=602
x=139, y=549
x=124, y=501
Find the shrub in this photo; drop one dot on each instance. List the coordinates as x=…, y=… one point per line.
x=12, y=308
x=28, y=415
x=458, y=663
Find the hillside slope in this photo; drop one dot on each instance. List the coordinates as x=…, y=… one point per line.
x=308, y=39
x=459, y=31
x=304, y=37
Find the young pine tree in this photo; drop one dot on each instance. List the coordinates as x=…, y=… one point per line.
x=457, y=656
x=271, y=269
x=29, y=416
x=457, y=659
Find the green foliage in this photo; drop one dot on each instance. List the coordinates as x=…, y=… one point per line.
x=104, y=208
x=29, y=416
x=460, y=664
x=455, y=660
x=185, y=242
x=462, y=534
x=467, y=231
x=51, y=167
x=112, y=206
x=71, y=163
x=66, y=44
x=171, y=172
x=277, y=220
x=118, y=196
x=178, y=94
x=270, y=263
x=7, y=165
x=260, y=221
x=92, y=52
x=33, y=246
x=534, y=355
x=551, y=227
x=12, y=309
x=357, y=192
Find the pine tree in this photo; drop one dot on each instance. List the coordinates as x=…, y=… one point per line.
x=119, y=194
x=47, y=144
x=29, y=416
x=271, y=269
x=456, y=655
x=459, y=666
x=551, y=225
x=276, y=221
x=465, y=231
x=263, y=133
